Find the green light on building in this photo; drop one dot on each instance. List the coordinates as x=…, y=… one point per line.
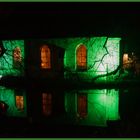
x=102, y=57
x=14, y=54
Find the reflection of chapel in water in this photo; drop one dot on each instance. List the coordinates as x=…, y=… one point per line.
x=78, y=59
x=85, y=107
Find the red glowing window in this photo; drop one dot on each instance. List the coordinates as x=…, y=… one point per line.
x=45, y=57
x=17, y=57
x=81, y=57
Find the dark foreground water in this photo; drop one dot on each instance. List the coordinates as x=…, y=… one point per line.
x=70, y=113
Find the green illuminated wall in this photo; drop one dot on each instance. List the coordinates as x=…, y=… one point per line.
x=102, y=57
x=6, y=60
x=102, y=105
x=8, y=96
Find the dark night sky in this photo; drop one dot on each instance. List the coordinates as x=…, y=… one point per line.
x=43, y=20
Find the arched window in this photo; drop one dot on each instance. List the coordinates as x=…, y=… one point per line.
x=47, y=103
x=17, y=57
x=45, y=57
x=81, y=56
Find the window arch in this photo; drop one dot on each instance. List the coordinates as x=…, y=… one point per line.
x=81, y=57
x=45, y=57
x=17, y=57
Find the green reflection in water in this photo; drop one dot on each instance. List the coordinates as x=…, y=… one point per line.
x=102, y=105
x=8, y=96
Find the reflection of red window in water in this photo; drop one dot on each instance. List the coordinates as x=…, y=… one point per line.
x=47, y=103
x=82, y=106
x=3, y=107
x=20, y=103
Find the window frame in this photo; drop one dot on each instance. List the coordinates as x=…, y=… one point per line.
x=48, y=63
x=78, y=50
x=17, y=63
